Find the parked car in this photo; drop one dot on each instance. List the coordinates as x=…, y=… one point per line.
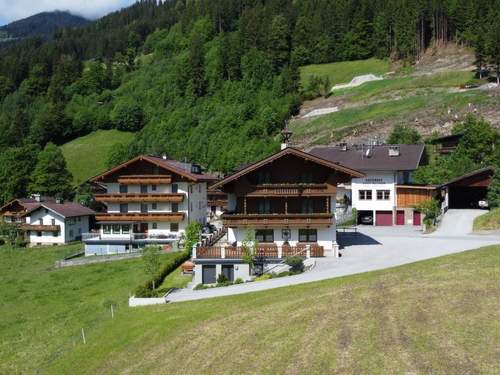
x=367, y=220
x=483, y=203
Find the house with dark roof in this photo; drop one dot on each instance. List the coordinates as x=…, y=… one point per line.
x=147, y=200
x=386, y=194
x=286, y=202
x=47, y=221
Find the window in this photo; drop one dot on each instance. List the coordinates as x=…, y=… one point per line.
x=55, y=234
x=199, y=188
x=308, y=235
x=383, y=195
x=144, y=189
x=307, y=206
x=53, y=221
x=123, y=208
x=153, y=187
x=264, y=235
x=123, y=189
x=365, y=195
x=106, y=229
x=175, y=188
x=126, y=228
x=191, y=189
x=264, y=206
x=144, y=208
x=40, y=221
x=174, y=227
x=39, y=234
x=116, y=229
x=46, y=211
x=175, y=207
x=154, y=206
x=155, y=225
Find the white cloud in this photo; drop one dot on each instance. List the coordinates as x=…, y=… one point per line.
x=11, y=10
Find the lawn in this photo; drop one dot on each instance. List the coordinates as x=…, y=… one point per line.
x=435, y=316
x=43, y=309
x=343, y=72
x=86, y=156
x=176, y=280
x=488, y=221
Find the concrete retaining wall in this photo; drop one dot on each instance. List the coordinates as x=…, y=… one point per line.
x=98, y=259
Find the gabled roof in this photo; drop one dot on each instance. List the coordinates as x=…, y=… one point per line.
x=445, y=138
x=66, y=209
x=470, y=174
x=379, y=159
x=286, y=151
x=174, y=166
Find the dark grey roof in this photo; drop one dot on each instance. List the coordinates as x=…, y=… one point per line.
x=379, y=160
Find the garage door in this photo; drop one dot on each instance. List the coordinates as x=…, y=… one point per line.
x=383, y=218
x=417, y=218
x=209, y=276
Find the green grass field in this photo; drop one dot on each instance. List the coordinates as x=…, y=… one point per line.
x=488, y=221
x=43, y=309
x=436, y=316
x=86, y=156
x=343, y=72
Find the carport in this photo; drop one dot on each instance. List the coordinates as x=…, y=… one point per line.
x=467, y=190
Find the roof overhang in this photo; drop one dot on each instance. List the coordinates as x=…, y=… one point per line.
x=468, y=175
x=287, y=151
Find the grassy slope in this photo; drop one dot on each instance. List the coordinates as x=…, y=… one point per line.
x=343, y=72
x=488, y=221
x=437, y=316
x=86, y=156
x=43, y=309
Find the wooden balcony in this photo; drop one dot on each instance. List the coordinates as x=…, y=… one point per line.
x=291, y=190
x=145, y=179
x=313, y=220
x=131, y=198
x=173, y=217
x=40, y=227
x=262, y=252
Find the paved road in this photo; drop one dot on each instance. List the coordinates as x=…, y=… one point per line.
x=373, y=248
x=457, y=222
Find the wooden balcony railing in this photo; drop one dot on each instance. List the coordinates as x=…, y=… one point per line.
x=132, y=197
x=289, y=190
x=40, y=227
x=173, y=217
x=285, y=220
x=145, y=179
x=263, y=251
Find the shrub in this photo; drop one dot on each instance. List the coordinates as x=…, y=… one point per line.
x=221, y=279
x=20, y=242
x=146, y=289
x=239, y=280
x=201, y=287
x=263, y=277
x=2, y=242
x=296, y=263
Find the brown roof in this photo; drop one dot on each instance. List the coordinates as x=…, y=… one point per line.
x=489, y=170
x=180, y=168
x=68, y=209
x=379, y=159
x=286, y=151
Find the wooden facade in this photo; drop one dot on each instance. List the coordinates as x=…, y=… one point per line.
x=40, y=228
x=145, y=179
x=409, y=196
x=136, y=197
x=173, y=217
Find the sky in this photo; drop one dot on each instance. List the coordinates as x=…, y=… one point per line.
x=12, y=10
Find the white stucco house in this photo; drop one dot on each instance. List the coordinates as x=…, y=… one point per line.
x=48, y=221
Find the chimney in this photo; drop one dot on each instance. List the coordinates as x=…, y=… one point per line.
x=59, y=200
x=37, y=197
x=394, y=151
x=343, y=146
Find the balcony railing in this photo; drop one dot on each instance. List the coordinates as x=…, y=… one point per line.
x=173, y=217
x=40, y=227
x=132, y=237
x=133, y=197
x=262, y=252
x=286, y=220
x=145, y=179
x=289, y=190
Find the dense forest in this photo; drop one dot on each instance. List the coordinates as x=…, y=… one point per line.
x=211, y=81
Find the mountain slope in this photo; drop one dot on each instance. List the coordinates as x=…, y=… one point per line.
x=44, y=24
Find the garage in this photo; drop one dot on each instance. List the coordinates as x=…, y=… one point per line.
x=417, y=218
x=468, y=190
x=383, y=218
x=400, y=218
x=209, y=274
x=365, y=217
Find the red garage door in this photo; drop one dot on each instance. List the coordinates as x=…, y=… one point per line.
x=417, y=218
x=400, y=218
x=383, y=218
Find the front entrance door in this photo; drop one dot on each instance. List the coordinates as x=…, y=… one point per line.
x=400, y=218
x=417, y=218
x=208, y=274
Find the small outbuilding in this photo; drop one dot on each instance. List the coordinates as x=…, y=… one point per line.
x=468, y=190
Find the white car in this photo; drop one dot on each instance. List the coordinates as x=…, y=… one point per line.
x=483, y=203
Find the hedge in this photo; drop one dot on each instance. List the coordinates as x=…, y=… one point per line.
x=146, y=289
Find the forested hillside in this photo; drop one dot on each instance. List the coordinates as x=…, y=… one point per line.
x=211, y=81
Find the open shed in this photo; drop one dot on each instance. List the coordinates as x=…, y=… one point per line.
x=466, y=191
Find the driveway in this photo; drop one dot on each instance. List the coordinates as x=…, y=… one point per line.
x=457, y=222
x=373, y=248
